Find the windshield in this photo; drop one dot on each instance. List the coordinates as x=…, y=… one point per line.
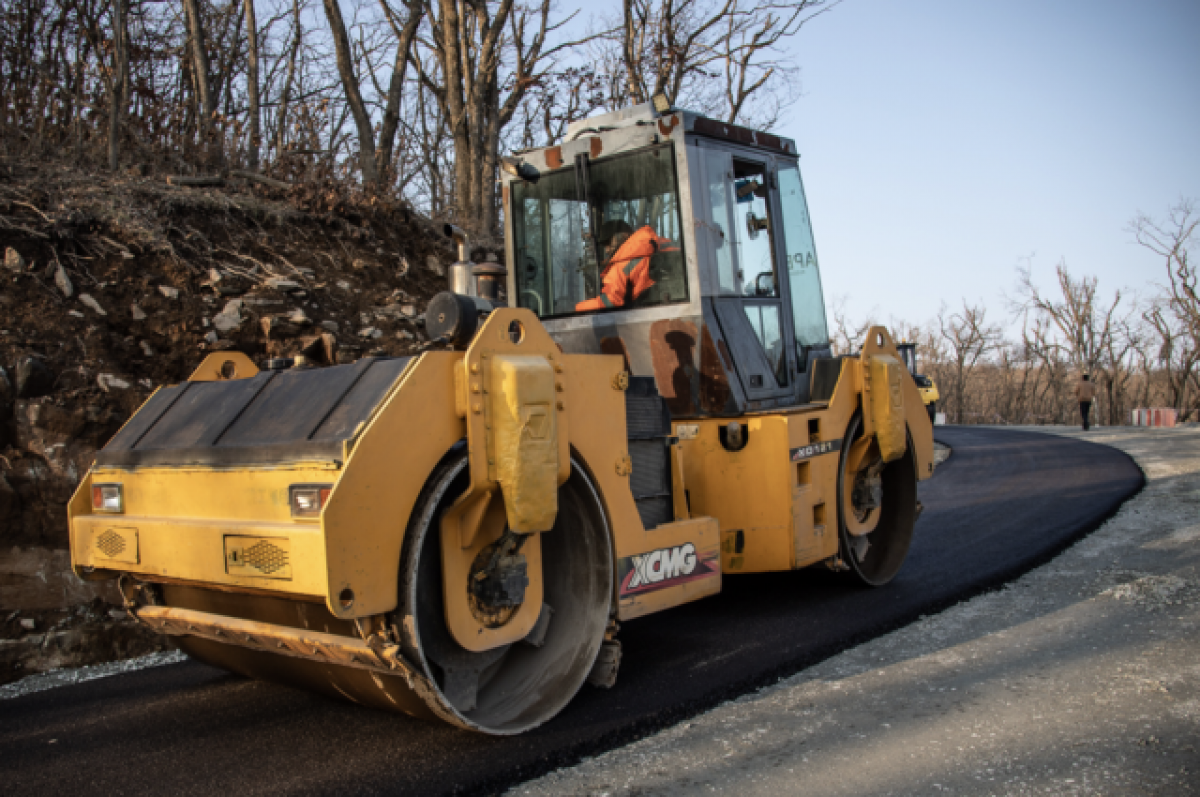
x=605, y=235
x=808, y=305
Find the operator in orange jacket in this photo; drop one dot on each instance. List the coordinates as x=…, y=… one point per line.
x=627, y=275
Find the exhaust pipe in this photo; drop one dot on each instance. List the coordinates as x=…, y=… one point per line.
x=462, y=280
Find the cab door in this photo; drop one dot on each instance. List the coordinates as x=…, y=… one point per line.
x=744, y=256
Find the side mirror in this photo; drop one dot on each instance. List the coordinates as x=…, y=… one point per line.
x=764, y=284
x=520, y=169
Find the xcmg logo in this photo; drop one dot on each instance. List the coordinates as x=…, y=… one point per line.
x=665, y=567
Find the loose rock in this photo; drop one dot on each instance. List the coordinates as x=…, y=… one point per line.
x=168, y=291
x=91, y=304
x=108, y=382
x=230, y=317
x=13, y=260
x=137, y=313
x=63, y=281
x=298, y=318
x=281, y=284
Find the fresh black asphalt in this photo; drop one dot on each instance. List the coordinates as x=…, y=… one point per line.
x=1005, y=502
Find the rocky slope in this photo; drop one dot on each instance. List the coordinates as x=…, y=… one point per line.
x=113, y=286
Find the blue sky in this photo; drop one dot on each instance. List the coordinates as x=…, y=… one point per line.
x=943, y=140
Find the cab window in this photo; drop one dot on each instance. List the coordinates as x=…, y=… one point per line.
x=605, y=235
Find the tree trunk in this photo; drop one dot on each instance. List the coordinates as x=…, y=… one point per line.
x=391, y=112
x=286, y=96
x=205, y=101
x=252, y=84
x=116, y=92
x=632, y=61
x=451, y=57
x=362, y=120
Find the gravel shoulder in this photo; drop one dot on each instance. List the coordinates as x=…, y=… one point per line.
x=1081, y=677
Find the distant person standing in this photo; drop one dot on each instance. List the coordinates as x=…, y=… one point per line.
x=1085, y=392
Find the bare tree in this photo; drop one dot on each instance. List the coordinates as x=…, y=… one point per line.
x=847, y=336
x=488, y=55
x=1094, y=334
x=716, y=56
x=969, y=338
x=1176, y=316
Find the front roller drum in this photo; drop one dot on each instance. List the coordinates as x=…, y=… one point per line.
x=516, y=687
x=503, y=691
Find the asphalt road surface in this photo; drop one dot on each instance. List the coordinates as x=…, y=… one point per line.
x=1004, y=502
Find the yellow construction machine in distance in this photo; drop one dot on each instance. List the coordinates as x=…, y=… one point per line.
x=925, y=384
x=458, y=535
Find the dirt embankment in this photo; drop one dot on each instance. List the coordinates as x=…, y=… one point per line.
x=113, y=286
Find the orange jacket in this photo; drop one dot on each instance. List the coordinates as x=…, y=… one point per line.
x=630, y=266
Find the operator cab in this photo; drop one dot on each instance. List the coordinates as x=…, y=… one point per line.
x=681, y=244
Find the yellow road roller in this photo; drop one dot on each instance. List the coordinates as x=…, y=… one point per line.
x=925, y=385
x=642, y=400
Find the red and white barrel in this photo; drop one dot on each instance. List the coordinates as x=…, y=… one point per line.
x=1154, y=416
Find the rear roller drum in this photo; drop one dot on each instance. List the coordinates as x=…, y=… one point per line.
x=877, y=507
x=515, y=687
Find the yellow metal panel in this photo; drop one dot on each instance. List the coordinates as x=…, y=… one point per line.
x=368, y=511
x=920, y=429
x=524, y=439
x=179, y=500
x=259, y=493
x=678, y=485
x=884, y=377
x=816, y=506
x=905, y=400
x=224, y=365
x=749, y=492
x=195, y=550
x=595, y=410
x=776, y=500
x=680, y=564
